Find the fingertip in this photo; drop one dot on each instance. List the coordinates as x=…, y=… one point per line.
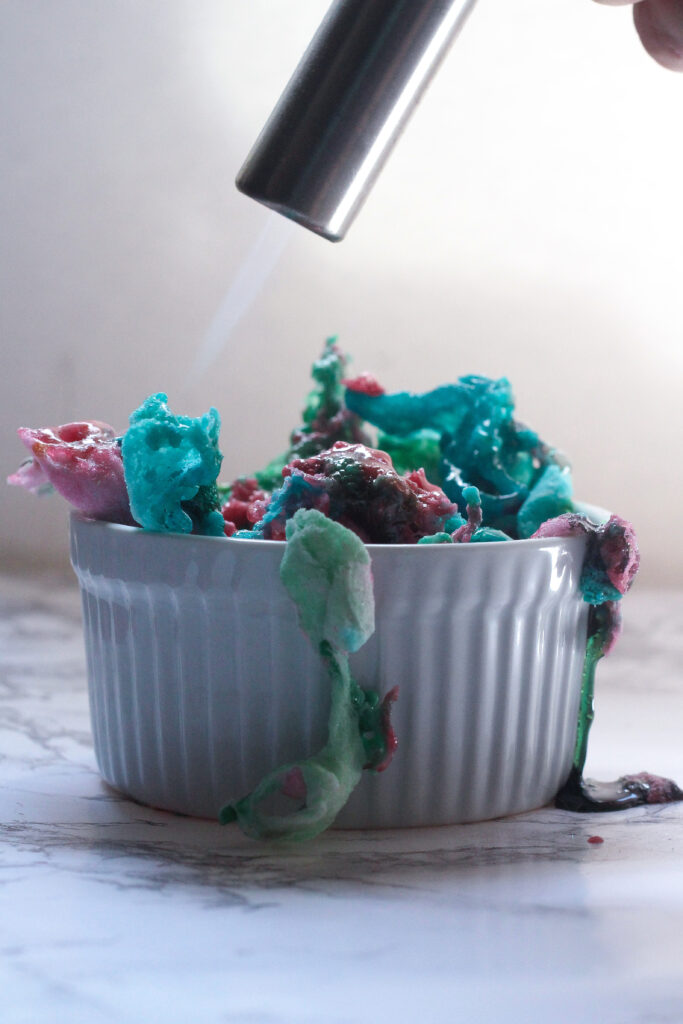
x=659, y=23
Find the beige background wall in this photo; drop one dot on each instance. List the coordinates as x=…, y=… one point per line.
x=529, y=224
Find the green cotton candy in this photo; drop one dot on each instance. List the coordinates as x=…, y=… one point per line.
x=170, y=465
x=421, y=449
x=326, y=570
x=603, y=626
x=316, y=788
x=270, y=477
x=325, y=417
x=327, y=395
x=550, y=497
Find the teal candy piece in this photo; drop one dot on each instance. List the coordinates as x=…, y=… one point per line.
x=497, y=508
x=170, y=465
x=436, y=538
x=326, y=570
x=445, y=409
x=595, y=587
x=550, y=497
x=486, y=534
x=454, y=523
x=471, y=495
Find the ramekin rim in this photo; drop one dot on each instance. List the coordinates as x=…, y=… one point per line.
x=599, y=515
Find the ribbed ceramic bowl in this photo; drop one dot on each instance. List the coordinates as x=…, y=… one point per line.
x=201, y=680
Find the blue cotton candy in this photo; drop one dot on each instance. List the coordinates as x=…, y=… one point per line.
x=486, y=534
x=445, y=409
x=480, y=444
x=170, y=465
x=550, y=497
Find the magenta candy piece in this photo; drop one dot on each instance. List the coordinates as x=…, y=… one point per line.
x=246, y=505
x=657, y=789
x=83, y=463
x=366, y=384
x=567, y=525
x=294, y=784
x=359, y=487
x=30, y=475
x=617, y=545
x=619, y=551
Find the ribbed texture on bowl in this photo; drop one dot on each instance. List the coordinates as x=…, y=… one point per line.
x=201, y=680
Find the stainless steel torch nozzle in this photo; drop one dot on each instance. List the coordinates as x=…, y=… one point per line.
x=345, y=106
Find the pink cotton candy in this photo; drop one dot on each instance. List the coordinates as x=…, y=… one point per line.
x=616, y=545
x=30, y=475
x=366, y=384
x=657, y=790
x=82, y=461
x=359, y=488
x=246, y=505
x=568, y=525
x=619, y=551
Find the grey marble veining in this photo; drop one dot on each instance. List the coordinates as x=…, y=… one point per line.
x=112, y=912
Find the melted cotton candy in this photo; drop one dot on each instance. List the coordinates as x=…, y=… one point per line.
x=359, y=487
x=612, y=556
x=326, y=570
x=609, y=568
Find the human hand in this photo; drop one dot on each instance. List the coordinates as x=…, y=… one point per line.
x=660, y=26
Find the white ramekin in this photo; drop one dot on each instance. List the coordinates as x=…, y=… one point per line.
x=201, y=680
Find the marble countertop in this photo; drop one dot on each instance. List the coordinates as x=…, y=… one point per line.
x=113, y=913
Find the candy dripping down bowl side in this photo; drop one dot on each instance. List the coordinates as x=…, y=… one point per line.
x=201, y=680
